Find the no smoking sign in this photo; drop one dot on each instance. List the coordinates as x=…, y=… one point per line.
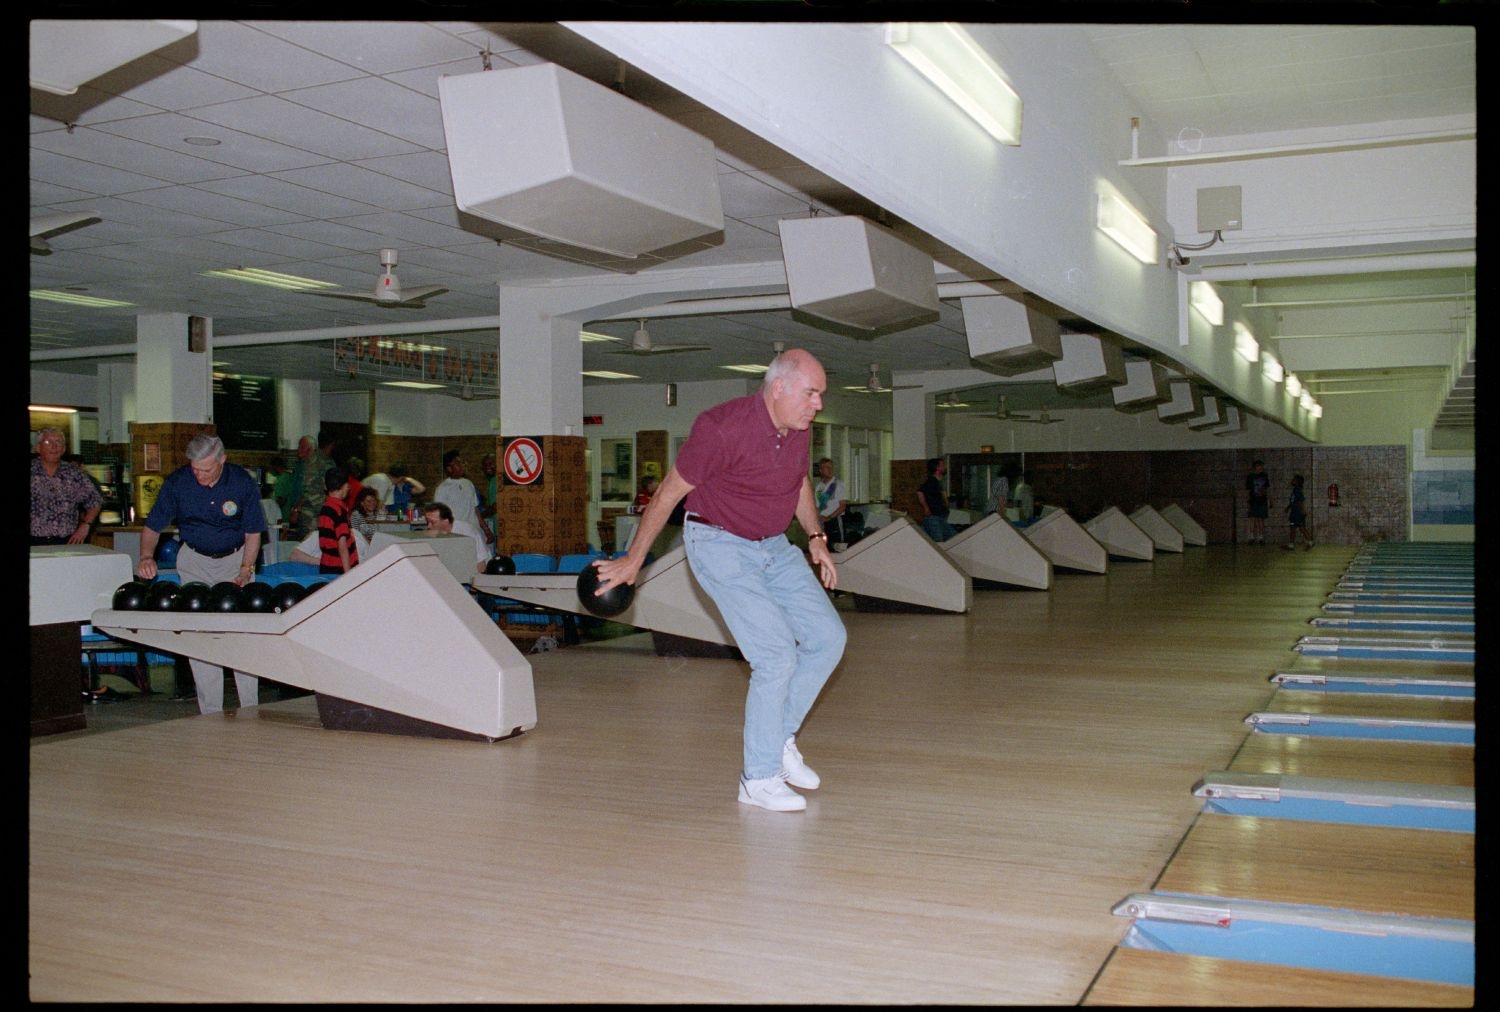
x=523, y=461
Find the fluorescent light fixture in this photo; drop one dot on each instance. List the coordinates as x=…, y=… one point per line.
x=751, y=368
x=949, y=57
x=589, y=337
x=1125, y=225
x=408, y=346
x=1306, y=401
x=69, y=298
x=52, y=408
x=256, y=276
x=412, y=384
x=1270, y=368
x=1245, y=344
x=1293, y=385
x=1202, y=297
x=608, y=374
x=1316, y=410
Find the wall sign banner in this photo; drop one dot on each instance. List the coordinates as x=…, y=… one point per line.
x=522, y=460
x=429, y=359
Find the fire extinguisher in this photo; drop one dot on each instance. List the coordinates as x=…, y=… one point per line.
x=1333, y=494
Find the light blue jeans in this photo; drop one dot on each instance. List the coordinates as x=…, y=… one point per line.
x=782, y=621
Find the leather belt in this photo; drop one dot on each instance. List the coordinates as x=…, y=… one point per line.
x=694, y=518
x=221, y=555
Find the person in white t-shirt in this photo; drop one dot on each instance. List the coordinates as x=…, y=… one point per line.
x=460, y=496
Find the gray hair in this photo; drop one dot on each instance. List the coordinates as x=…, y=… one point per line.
x=61, y=437
x=204, y=446
x=781, y=367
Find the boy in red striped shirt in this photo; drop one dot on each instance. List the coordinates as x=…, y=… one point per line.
x=336, y=547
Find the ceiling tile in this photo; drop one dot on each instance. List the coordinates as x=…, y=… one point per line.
x=289, y=123
x=379, y=47
x=388, y=107
x=254, y=59
x=91, y=144
x=239, y=150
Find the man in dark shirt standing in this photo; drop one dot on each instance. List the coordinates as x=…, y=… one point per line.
x=934, y=502
x=744, y=471
x=216, y=506
x=1258, y=506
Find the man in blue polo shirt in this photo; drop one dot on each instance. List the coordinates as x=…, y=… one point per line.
x=744, y=471
x=216, y=506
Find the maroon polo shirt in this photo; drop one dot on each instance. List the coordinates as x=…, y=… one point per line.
x=746, y=477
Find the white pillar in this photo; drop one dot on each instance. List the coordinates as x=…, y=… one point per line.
x=179, y=382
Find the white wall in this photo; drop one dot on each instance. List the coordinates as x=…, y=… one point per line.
x=64, y=389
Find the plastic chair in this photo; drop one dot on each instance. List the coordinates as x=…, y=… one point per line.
x=534, y=562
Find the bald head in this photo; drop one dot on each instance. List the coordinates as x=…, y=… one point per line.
x=793, y=389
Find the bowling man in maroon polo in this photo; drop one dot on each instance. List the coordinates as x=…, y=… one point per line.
x=744, y=473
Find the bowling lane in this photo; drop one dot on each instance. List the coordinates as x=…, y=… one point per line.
x=1353, y=759
x=1135, y=977
x=1376, y=869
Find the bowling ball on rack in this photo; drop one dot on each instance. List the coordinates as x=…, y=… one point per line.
x=500, y=565
x=224, y=597
x=607, y=605
x=192, y=596
x=286, y=594
x=161, y=595
x=256, y=596
x=166, y=551
x=129, y=597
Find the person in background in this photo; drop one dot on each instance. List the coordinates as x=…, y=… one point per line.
x=1022, y=497
x=489, y=495
x=337, y=548
x=314, y=486
x=364, y=514
x=649, y=485
x=216, y=506
x=65, y=502
x=1258, y=494
x=999, y=494
x=287, y=489
x=934, y=503
x=396, y=488
x=459, y=493
x=744, y=473
x=440, y=518
x=1296, y=516
x=355, y=467
x=830, y=496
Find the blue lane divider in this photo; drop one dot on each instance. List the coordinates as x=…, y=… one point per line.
x=1434, y=949
x=1372, y=684
x=1394, y=624
x=1396, y=608
x=1390, y=650
x=1451, y=732
x=1351, y=802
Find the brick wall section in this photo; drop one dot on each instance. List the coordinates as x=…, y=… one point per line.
x=1210, y=486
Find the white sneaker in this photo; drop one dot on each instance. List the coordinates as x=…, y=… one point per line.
x=797, y=772
x=771, y=793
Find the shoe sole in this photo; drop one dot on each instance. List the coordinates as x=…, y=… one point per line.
x=756, y=804
x=803, y=786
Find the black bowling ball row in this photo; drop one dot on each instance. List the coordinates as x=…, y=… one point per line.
x=253, y=597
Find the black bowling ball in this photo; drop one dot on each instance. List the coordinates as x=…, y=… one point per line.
x=256, y=596
x=319, y=585
x=129, y=597
x=192, y=597
x=607, y=605
x=224, y=597
x=287, y=594
x=500, y=565
x=161, y=595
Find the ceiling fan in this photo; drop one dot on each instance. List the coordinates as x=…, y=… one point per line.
x=874, y=386
x=640, y=344
x=1003, y=414
x=388, y=293
x=44, y=227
